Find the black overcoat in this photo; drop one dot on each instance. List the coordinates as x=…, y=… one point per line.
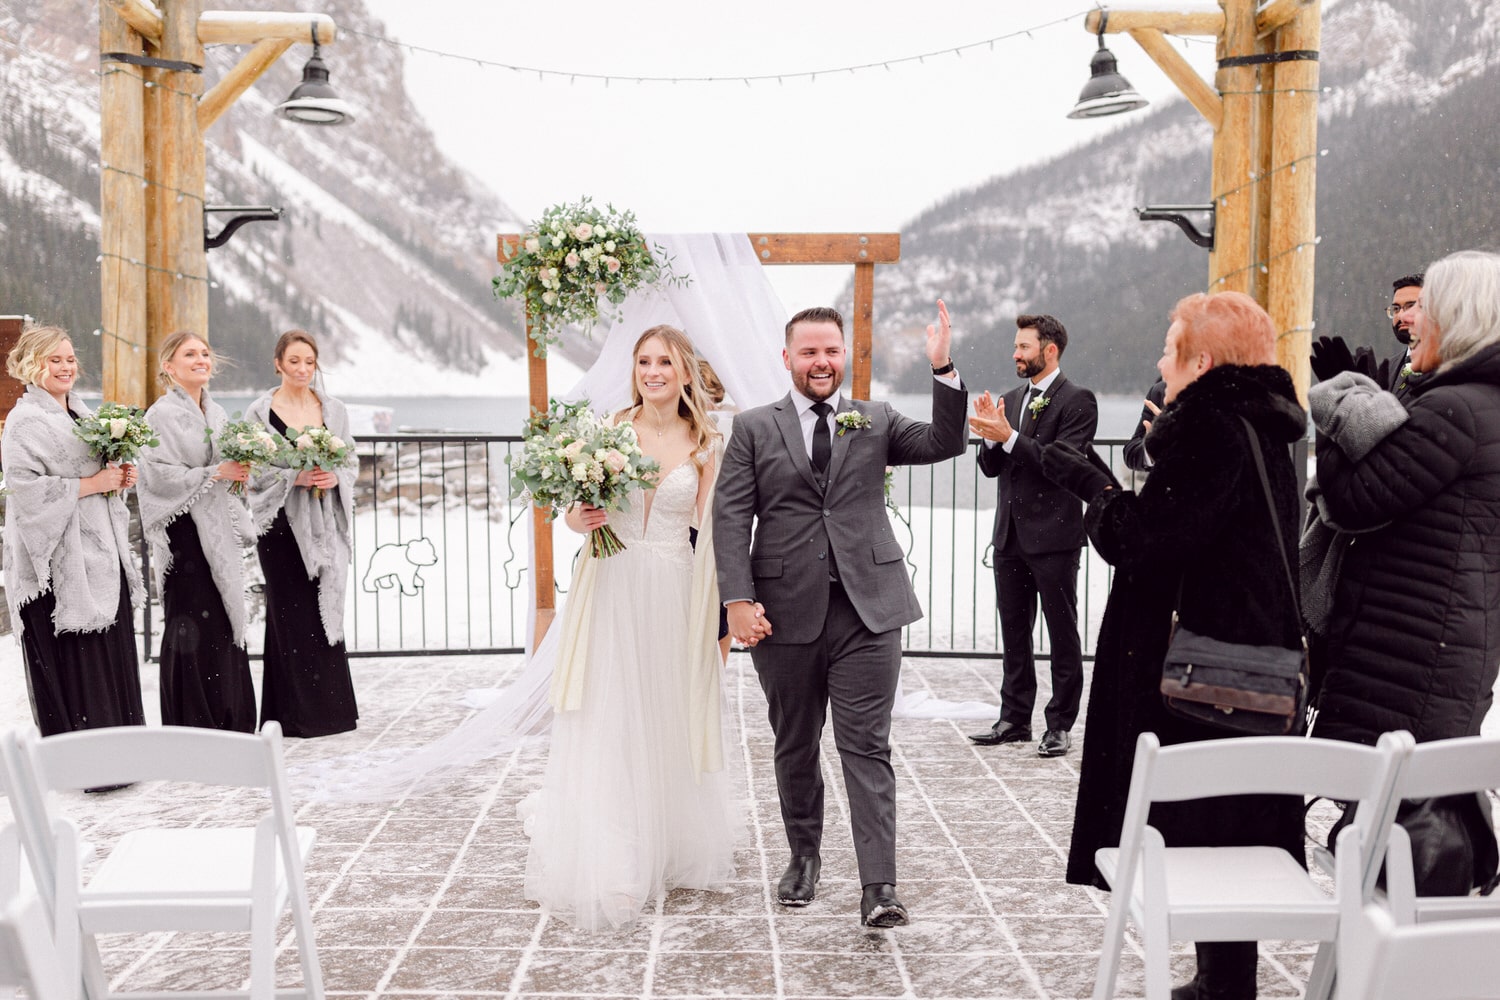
x=1201, y=519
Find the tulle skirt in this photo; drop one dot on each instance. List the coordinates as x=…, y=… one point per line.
x=621, y=817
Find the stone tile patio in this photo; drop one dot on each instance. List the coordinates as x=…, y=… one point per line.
x=423, y=898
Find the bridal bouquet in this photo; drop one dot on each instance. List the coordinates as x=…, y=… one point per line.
x=116, y=433
x=570, y=456
x=575, y=256
x=315, y=448
x=249, y=442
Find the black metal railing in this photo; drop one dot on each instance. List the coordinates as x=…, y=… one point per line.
x=442, y=552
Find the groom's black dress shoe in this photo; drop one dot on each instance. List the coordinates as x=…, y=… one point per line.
x=1010, y=732
x=1055, y=743
x=879, y=907
x=799, y=881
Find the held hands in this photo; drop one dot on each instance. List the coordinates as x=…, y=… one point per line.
x=940, y=338
x=236, y=472
x=111, y=478
x=748, y=622
x=989, y=420
x=320, y=478
x=585, y=517
x=1082, y=474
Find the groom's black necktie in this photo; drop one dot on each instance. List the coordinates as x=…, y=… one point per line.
x=822, y=445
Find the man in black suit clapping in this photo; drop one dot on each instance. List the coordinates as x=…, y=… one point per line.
x=1039, y=534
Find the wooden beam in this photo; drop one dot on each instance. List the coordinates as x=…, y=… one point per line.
x=1197, y=90
x=1277, y=13
x=827, y=248
x=543, y=575
x=1234, y=155
x=142, y=17
x=122, y=214
x=233, y=27
x=177, y=283
x=863, y=323
x=1294, y=145
x=238, y=80
x=1172, y=22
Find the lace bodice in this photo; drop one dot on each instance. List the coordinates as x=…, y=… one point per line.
x=660, y=521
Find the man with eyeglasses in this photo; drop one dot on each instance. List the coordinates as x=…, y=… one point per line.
x=1331, y=355
x=1404, y=292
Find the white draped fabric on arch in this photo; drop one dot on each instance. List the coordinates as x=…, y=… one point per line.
x=734, y=319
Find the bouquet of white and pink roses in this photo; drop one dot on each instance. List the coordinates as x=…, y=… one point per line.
x=570, y=456
x=116, y=433
x=250, y=443
x=315, y=448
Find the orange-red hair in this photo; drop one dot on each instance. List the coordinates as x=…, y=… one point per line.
x=1230, y=327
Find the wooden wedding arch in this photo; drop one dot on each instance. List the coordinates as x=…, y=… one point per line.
x=863, y=250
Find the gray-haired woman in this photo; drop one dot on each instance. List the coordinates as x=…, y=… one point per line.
x=69, y=576
x=1413, y=630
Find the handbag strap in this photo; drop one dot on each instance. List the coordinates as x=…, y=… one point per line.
x=1265, y=485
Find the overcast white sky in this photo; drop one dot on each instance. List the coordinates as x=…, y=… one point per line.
x=861, y=151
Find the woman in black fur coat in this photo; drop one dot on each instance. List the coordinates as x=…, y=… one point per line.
x=1199, y=522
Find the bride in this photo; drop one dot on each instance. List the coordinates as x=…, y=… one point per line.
x=635, y=801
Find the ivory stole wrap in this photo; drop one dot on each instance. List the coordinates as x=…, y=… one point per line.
x=54, y=539
x=177, y=477
x=322, y=527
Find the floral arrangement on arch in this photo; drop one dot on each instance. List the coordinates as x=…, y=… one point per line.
x=575, y=257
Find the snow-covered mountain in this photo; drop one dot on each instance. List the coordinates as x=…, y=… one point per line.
x=1412, y=172
x=385, y=248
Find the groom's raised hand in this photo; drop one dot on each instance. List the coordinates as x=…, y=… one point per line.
x=940, y=338
x=748, y=622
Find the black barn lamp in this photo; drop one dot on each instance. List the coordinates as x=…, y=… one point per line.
x=1107, y=92
x=314, y=101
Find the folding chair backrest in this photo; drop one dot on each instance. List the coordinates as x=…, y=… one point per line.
x=119, y=755
x=1450, y=767
x=27, y=957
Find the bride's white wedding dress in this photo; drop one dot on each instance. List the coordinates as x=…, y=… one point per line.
x=622, y=816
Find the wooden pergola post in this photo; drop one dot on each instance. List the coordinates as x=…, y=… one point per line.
x=1264, y=112
x=863, y=250
x=154, y=267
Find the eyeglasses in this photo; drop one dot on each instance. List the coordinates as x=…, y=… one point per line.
x=1397, y=308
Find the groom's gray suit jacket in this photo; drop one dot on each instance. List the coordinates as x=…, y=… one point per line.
x=767, y=482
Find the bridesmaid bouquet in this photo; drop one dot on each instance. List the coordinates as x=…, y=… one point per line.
x=570, y=456
x=315, y=448
x=249, y=442
x=116, y=433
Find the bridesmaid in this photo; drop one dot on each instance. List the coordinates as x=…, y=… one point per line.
x=304, y=549
x=70, y=578
x=198, y=558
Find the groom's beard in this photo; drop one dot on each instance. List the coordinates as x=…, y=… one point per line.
x=1030, y=369
x=817, y=391
x=1403, y=334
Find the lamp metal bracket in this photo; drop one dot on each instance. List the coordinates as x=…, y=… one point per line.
x=242, y=214
x=1178, y=214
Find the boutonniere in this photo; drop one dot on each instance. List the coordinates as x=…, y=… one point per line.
x=1037, y=405
x=851, y=420
x=1407, y=372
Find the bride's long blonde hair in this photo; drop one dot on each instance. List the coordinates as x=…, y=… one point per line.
x=692, y=395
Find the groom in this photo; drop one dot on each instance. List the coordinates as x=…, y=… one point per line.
x=821, y=594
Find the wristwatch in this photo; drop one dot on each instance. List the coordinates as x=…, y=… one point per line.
x=949, y=367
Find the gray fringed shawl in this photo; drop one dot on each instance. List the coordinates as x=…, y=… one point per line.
x=54, y=539
x=177, y=477
x=1355, y=414
x=322, y=527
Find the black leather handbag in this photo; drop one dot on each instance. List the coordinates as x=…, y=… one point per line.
x=1247, y=689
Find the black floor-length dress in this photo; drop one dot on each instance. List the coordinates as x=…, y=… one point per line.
x=81, y=680
x=306, y=684
x=205, y=675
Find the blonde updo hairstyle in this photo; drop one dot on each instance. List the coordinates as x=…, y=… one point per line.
x=169, y=349
x=691, y=396
x=27, y=361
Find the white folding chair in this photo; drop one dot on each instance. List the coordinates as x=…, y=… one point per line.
x=1382, y=957
x=182, y=878
x=1442, y=767
x=27, y=958
x=1233, y=893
